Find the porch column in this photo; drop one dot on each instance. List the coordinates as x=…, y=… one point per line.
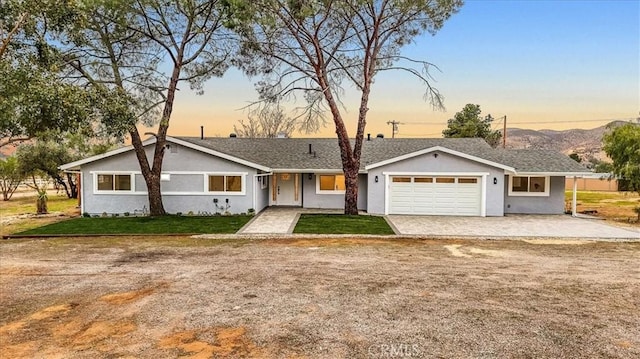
x=574, y=201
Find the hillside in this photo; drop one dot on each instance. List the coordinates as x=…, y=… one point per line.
x=586, y=143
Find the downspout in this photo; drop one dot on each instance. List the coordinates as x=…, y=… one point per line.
x=574, y=201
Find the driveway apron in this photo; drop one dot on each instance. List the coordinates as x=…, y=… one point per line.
x=552, y=226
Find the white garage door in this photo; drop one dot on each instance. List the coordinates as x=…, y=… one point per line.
x=432, y=195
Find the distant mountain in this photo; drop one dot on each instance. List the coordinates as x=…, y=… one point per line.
x=586, y=143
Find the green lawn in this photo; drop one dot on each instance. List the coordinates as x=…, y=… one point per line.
x=597, y=197
x=341, y=224
x=27, y=204
x=617, y=206
x=144, y=225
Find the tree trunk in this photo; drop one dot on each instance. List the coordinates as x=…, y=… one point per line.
x=41, y=203
x=351, y=190
x=156, y=208
x=73, y=185
x=350, y=160
x=152, y=173
x=67, y=189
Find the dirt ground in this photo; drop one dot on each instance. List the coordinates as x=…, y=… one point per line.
x=147, y=297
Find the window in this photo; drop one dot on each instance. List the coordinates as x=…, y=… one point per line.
x=220, y=183
x=423, y=180
x=113, y=182
x=401, y=179
x=445, y=180
x=528, y=186
x=467, y=180
x=330, y=184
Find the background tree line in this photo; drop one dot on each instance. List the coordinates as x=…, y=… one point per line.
x=101, y=68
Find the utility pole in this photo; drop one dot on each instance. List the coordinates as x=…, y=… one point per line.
x=504, y=132
x=394, y=127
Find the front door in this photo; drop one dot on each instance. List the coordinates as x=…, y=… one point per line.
x=285, y=189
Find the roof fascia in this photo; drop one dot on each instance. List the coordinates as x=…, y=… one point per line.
x=218, y=154
x=441, y=149
x=75, y=164
x=554, y=174
x=307, y=170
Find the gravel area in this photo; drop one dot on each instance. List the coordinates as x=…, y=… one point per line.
x=150, y=297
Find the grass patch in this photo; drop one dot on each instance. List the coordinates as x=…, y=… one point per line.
x=627, y=203
x=144, y=225
x=616, y=206
x=597, y=197
x=27, y=204
x=341, y=224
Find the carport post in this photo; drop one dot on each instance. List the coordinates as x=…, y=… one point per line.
x=575, y=196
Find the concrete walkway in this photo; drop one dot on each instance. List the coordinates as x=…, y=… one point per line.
x=279, y=220
x=549, y=226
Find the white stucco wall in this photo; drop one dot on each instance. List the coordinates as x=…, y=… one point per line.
x=184, y=192
x=443, y=163
x=311, y=199
x=552, y=204
x=262, y=195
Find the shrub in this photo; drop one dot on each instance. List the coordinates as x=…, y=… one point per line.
x=86, y=215
x=104, y=214
x=127, y=214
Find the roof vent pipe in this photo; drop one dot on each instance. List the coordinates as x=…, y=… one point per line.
x=310, y=149
x=202, y=132
x=380, y=135
x=233, y=135
x=368, y=137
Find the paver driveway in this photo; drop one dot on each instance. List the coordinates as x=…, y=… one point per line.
x=555, y=226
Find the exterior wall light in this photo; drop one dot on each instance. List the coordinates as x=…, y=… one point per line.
x=495, y=180
x=376, y=179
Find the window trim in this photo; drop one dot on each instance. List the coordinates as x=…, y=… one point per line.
x=319, y=191
x=243, y=183
x=547, y=185
x=132, y=180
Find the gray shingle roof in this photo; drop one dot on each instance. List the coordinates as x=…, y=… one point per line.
x=539, y=161
x=293, y=153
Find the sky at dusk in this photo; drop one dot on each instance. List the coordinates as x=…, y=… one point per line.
x=543, y=64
